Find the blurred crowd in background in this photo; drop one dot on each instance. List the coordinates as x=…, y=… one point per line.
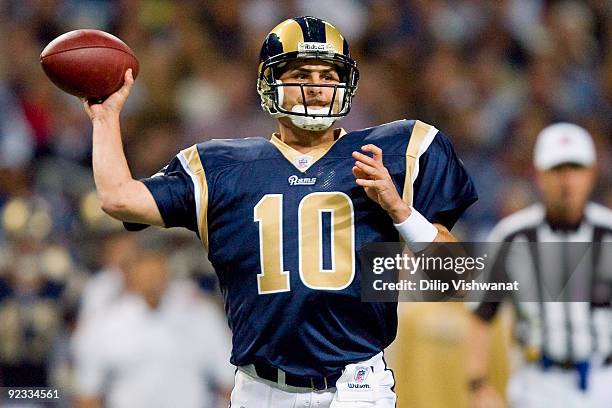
x=489, y=74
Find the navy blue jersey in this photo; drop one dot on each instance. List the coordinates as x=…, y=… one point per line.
x=283, y=230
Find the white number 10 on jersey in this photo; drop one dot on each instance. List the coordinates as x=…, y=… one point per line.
x=269, y=214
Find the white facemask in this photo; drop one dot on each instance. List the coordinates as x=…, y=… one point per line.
x=308, y=122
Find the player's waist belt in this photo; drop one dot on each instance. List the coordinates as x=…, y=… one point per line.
x=270, y=373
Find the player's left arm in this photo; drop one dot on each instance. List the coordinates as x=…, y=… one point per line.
x=371, y=174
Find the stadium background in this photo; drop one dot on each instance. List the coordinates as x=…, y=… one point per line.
x=489, y=74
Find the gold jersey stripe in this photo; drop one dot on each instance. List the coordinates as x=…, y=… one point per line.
x=419, y=131
x=192, y=157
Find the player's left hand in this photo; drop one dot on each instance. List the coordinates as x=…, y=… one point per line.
x=371, y=174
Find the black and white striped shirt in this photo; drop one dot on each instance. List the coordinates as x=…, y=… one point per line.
x=562, y=331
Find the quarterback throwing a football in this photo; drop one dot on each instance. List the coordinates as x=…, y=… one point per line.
x=283, y=219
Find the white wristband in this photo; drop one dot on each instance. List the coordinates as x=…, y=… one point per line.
x=416, y=231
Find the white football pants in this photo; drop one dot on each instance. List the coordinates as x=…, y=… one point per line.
x=362, y=385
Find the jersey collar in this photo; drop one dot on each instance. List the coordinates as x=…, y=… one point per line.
x=303, y=161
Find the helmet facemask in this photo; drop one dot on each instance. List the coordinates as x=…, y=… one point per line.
x=315, y=118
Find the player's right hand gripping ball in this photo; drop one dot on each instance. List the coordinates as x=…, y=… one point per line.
x=88, y=63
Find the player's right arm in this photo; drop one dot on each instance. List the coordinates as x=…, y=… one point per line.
x=121, y=196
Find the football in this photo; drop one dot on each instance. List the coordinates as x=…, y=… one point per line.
x=88, y=63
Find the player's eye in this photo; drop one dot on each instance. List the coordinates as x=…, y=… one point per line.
x=332, y=77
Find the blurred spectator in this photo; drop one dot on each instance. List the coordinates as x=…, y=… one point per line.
x=16, y=139
x=159, y=344
x=37, y=285
x=106, y=286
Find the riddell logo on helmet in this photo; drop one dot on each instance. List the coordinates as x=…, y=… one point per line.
x=316, y=47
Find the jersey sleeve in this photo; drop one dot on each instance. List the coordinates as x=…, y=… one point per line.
x=174, y=191
x=443, y=187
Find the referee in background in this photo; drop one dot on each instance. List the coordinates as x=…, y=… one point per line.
x=567, y=346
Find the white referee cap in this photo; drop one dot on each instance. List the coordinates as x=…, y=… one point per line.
x=563, y=143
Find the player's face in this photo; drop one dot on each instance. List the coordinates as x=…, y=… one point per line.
x=315, y=73
x=566, y=190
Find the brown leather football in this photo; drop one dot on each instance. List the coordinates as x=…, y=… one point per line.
x=88, y=63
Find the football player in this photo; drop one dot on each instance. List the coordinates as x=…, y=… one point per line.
x=283, y=220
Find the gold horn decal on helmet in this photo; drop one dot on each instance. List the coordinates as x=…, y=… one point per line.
x=333, y=37
x=290, y=34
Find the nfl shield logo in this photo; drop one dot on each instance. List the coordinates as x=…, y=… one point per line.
x=361, y=373
x=303, y=161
